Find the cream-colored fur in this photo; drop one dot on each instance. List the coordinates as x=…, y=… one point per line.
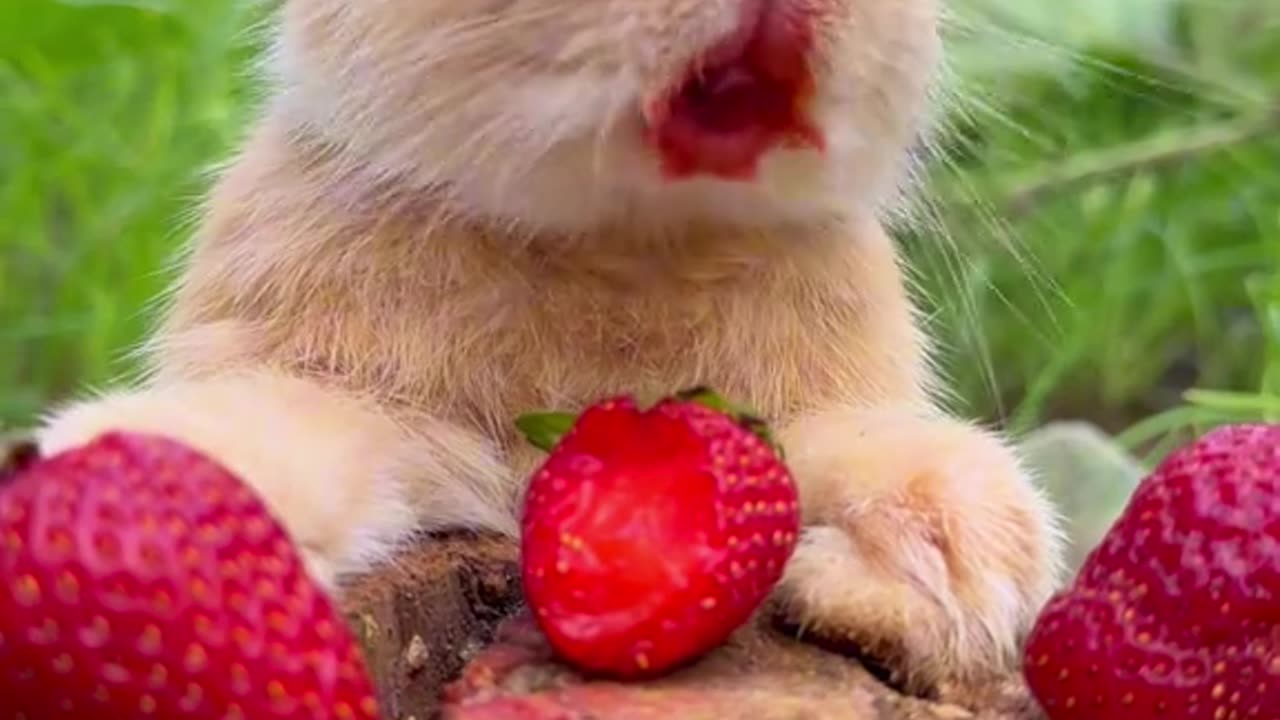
x=446, y=216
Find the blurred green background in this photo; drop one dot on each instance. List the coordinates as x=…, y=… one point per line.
x=1101, y=237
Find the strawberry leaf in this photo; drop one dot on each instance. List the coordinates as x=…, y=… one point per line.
x=545, y=430
x=706, y=396
x=16, y=453
x=764, y=432
x=746, y=418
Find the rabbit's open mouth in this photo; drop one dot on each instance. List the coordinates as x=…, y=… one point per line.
x=742, y=98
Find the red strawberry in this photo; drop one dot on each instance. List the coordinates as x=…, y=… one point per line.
x=1177, y=613
x=649, y=536
x=140, y=579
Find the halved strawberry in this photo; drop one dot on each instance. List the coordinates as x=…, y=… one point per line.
x=138, y=578
x=650, y=535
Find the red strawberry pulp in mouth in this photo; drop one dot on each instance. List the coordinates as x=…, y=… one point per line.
x=742, y=98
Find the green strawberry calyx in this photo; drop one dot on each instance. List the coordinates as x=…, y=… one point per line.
x=545, y=430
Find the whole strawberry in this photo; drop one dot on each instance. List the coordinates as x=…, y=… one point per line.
x=1177, y=613
x=140, y=579
x=649, y=536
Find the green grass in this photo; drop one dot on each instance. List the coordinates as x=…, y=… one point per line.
x=1103, y=237
x=1114, y=205
x=110, y=114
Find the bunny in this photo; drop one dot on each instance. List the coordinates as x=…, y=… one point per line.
x=448, y=213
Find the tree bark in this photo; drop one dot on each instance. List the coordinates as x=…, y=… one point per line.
x=446, y=636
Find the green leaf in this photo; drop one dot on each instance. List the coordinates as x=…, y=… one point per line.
x=706, y=396
x=545, y=430
x=748, y=419
x=17, y=451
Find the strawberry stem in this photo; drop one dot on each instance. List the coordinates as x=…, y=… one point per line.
x=544, y=430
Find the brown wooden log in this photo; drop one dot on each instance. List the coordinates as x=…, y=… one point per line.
x=446, y=637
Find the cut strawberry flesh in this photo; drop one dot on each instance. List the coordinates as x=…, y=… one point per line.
x=745, y=97
x=648, y=536
x=636, y=545
x=640, y=532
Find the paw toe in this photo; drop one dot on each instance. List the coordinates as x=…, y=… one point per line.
x=900, y=610
x=837, y=595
